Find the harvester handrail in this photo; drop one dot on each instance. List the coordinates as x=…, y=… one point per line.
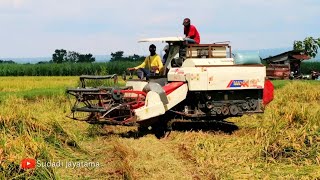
x=97, y=77
x=84, y=77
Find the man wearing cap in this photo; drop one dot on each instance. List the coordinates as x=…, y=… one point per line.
x=152, y=65
x=191, y=32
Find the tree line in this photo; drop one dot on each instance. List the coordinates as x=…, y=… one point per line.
x=64, y=56
x=118, y=56
x=309, y=45
x=7, y=62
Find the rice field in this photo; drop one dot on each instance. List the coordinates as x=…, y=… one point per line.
x=282, y=143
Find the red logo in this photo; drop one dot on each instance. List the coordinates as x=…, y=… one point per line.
x=28, y=163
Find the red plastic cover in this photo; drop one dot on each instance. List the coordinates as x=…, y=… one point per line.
x=267, y=92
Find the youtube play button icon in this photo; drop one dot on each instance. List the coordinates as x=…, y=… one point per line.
x=28, y=163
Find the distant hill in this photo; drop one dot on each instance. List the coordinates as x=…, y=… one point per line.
x=264, y=53
x=31, y=60
x=102, y=58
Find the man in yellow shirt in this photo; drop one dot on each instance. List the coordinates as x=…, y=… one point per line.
x=152, y=65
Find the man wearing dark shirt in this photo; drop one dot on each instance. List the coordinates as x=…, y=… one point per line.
x=191, y=32
x=165, y=56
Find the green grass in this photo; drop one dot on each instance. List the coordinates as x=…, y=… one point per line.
x=281, y=83
x=76, y=69
x=307, y=67
x=66, y=69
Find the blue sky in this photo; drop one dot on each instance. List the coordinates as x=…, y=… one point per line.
x=35, y=28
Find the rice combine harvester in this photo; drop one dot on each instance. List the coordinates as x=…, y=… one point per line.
x=201, y=83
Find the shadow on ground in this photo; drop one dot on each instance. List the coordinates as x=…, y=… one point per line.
x=218, y=126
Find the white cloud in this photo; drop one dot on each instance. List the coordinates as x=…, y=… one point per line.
x=37, y=27
x=12, y=3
